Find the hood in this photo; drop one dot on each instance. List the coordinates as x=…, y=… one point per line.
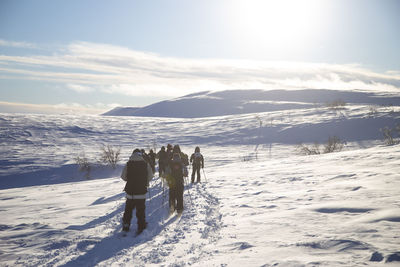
x=136, y=157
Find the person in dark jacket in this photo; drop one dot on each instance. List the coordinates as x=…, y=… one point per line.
x=145, y=156
x=137, y=174
x=176, y=183
x=184, y=157
x=197, y=161
x=152, y=158
x=162, y=161
x=169, y=152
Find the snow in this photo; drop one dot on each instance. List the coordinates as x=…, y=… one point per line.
x=260, y=202
x=231, y=102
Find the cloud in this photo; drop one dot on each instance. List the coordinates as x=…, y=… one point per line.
x=80, y=88
x=62, y=108
x=88, y=67
x=17, y=44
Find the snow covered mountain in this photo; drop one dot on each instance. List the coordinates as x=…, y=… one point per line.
x=260, y=203
x=219, y=103
x=121, y=111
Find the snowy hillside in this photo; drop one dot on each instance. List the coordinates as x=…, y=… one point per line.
x=121, y=111
x=260, y=202
x=219, y=103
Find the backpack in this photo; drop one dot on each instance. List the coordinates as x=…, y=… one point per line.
x=197, y=159
x=177, y=158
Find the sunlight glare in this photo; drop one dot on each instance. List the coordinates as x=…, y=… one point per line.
x=276, y=23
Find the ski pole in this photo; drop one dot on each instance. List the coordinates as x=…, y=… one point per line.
x=163, y=191
x=149, y=194
x=189, y=171
x=205, y=177
x=190, y=196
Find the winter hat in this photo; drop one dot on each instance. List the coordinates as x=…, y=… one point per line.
x=197, y=149
x=176, y=149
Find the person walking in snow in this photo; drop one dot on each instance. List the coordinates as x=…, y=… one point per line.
x=169, y=152
x=184, y=157
x=162, y=161
x=137, y=174
x=175, y=181
x=152, y=158
x=197, y=161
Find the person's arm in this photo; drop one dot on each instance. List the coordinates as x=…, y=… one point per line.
x=202, y=161
x=149, y=173
x=124, y=174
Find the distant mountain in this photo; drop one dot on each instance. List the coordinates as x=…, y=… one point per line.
x=121, y=111
x=229, y=102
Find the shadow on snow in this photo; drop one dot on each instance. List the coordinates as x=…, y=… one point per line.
x=112, y=245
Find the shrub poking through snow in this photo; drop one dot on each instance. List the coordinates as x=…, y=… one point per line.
x=110, y=155
x=309, y=150
x=83, y=164
x=388, y=135
x=336, y=105
x=334, y=144
x=373, y=111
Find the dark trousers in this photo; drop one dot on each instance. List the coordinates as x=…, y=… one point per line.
x=161, y=168
x=196, y=169
x=176, y=197
x=140, y=206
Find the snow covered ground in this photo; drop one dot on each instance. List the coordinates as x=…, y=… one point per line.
x=260, y=204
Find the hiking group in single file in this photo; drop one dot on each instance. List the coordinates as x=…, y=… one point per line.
x=172, y=168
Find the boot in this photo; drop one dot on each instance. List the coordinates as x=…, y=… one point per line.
x=125, y=227
x=141, y=227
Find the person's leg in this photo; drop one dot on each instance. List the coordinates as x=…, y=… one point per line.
x=198, y=174
x=126, y=219
x=179, y=198
x=161, y=169
x=193, y=172
x=172, y=198
x=141, y=214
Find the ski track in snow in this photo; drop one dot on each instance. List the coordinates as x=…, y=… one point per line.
x=262, y=205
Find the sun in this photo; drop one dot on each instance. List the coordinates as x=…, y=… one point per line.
x=276, y=23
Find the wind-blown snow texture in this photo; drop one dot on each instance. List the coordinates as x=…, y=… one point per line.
x=260, y=204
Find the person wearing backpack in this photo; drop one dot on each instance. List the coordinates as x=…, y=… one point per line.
x=197, y=161
x=184, y=157
x=169, y=152
x=162, y=161
x=176, y=183
x=152, y=158
x=137, y=174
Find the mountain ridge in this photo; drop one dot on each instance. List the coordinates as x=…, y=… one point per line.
x=241, y=101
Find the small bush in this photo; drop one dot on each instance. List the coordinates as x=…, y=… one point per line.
x=336, y=105
x=388, y=137
x=84, y=164
x=305, y=150
x=372, y=111
x=334, y=144
x=110, y=155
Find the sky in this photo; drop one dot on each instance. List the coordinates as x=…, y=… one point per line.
x=91, y=56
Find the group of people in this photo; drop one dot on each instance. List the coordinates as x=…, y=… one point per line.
x=140, y=169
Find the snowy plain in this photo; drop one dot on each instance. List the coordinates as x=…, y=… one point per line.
x=260, y=203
